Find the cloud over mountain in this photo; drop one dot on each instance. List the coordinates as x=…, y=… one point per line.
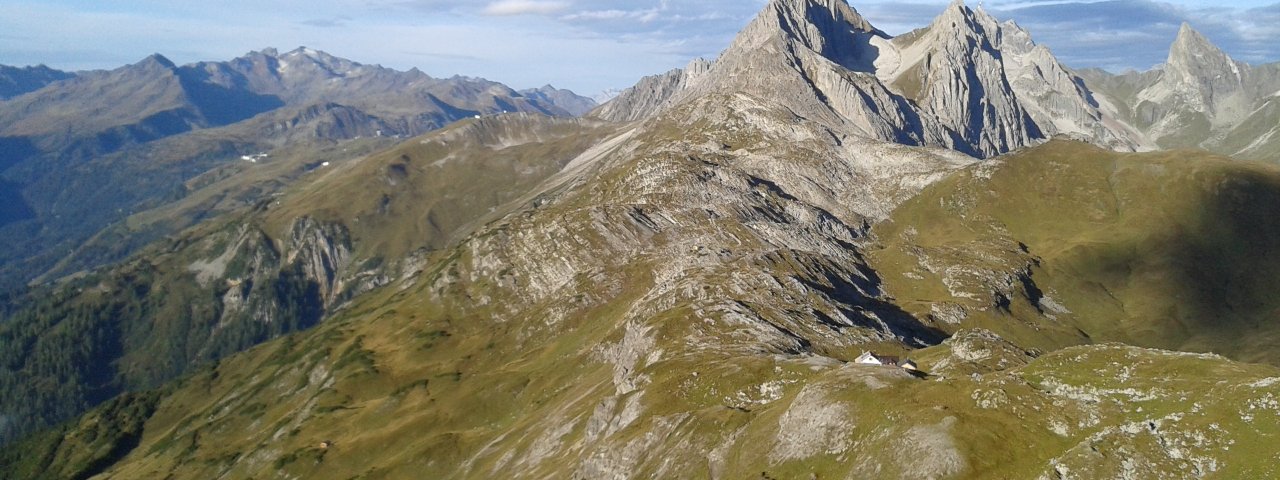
x=585, y=45
x=523, y=7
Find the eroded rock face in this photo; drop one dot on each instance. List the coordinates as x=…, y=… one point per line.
x=1202, y=75
x=954, y=71
x=321, y=252
x=1057, y=99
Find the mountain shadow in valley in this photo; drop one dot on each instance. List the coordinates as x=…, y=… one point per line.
x=222, y=105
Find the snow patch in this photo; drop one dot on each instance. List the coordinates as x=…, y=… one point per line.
x=254, y=157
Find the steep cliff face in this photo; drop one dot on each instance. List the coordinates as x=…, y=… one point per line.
x=954, y=71
x=1058, y=100
x=322, y=253
x=188, y=301
x=1202, y=75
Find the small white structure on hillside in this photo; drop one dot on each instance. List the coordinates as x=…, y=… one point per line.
x=868, y=358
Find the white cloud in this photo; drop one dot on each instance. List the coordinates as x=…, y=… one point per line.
x=523, y=7
x=641, y=15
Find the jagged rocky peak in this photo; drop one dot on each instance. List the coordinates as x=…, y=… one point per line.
x=1016, y=40
x=1190, y=46
x=767, y=49
x=965, y=82
x=824, y=26
x=1194, y=60
x=954, y=69
x=698, y=67
x=1055, y=97
x=646, y=97
x=960, y=30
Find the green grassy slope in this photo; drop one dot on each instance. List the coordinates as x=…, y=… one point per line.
x=407, y=391
x=430, y=191
x=1066, y=243
x=259, y=272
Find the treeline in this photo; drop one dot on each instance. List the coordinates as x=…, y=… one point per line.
x=67, y=349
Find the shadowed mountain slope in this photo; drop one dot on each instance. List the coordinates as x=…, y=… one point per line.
x=16, y=81
x=619, y=331
x=1068, y=243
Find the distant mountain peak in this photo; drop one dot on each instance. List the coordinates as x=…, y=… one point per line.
x=564, y=99
x=16, y=81
x=1190, y=45
x=157, y=59
x=1195, y=62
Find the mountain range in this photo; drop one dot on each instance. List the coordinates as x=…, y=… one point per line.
x=84, y=153
x=678, y=283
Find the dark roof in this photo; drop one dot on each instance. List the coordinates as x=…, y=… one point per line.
x=888, y=359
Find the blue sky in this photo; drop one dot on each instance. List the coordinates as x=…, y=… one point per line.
x=587, y=46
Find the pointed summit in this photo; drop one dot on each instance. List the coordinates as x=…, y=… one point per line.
x=1204, y=73
x=960, y=21
x=156, y=60
x=1190, y=46
x=829, y=27
x=820, y=59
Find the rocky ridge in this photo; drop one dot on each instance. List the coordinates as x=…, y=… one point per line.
x=965, y=82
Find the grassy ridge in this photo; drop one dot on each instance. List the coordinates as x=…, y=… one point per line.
x=1171, y=250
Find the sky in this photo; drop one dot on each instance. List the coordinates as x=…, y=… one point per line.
x=588, y=46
